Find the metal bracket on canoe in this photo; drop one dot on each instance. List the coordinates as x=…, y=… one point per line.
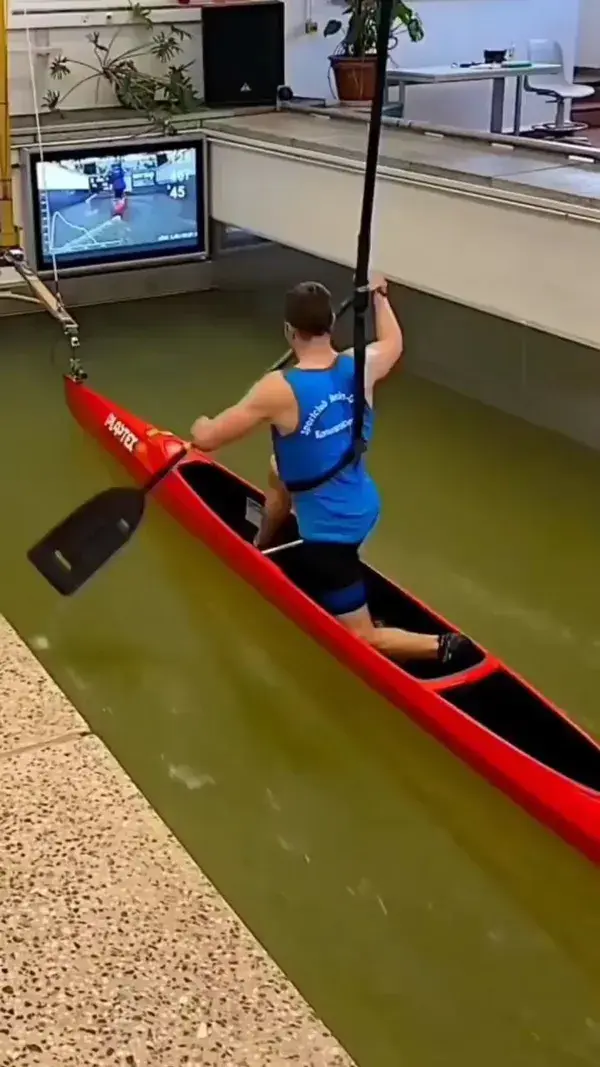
x=40, y=295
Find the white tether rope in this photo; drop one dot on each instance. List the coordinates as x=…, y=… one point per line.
x=38, y=126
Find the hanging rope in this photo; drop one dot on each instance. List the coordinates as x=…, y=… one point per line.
x=10, y=254
x=8, y=236
x=38, y=125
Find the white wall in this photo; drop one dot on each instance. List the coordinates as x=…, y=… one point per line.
x=62, y=26
x=588, y=45
x=455, y=31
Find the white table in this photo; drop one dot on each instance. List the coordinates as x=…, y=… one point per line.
x=497, y=73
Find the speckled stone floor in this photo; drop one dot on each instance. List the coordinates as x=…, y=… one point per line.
x=114, y=947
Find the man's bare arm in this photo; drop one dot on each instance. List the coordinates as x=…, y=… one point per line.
x=261, y=404
x=385, y=352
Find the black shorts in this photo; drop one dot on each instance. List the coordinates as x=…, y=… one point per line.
x=333, y=575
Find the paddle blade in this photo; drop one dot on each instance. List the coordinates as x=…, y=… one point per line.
x=82, y=543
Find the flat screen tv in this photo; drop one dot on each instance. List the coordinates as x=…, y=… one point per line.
x=103, y=205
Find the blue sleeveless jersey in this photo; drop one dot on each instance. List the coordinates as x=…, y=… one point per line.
x=346, y=508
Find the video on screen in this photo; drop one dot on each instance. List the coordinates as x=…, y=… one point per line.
x=129, y=205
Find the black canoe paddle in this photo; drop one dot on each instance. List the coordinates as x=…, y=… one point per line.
x=83, y=542
x=71, y=553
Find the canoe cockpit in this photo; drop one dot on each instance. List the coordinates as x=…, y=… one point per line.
x=239, y=506
x=498, y=700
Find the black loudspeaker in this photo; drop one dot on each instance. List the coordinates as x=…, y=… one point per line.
x=243, y=53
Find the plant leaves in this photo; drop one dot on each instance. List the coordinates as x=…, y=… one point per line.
x=333, y=26
x=154, y=96
x=94, y=39
x=139, y=13
x=178, y=32
x=51, y=99
x=360, y=37
x=59, y=67
x=165, y=46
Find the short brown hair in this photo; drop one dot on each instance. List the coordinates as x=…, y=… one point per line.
x=308, y=309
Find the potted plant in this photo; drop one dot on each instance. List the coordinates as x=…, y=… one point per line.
x=157, y=96
x=354, y=60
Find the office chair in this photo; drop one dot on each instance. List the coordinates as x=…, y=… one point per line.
x=555, y=86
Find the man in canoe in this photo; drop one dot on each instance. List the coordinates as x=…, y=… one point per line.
x=310, y=410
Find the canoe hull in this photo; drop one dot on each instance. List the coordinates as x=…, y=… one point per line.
x=566, y=806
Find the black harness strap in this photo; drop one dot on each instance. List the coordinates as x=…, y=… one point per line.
x=352, y=455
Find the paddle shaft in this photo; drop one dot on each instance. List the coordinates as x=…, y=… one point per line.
x=48, y=549
x=158, y=476
x=360, y=298
x=281, y=362
x=361, y=279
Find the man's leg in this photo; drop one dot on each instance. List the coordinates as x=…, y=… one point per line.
x=338, y=573
x=278, y=505
x=402, y=645
x=391, y=641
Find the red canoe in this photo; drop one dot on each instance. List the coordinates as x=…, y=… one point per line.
x=485, y=713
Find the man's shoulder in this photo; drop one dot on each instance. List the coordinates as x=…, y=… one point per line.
x=272, y=391
x=274, y=384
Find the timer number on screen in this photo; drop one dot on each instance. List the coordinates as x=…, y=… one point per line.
x=178, y=192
